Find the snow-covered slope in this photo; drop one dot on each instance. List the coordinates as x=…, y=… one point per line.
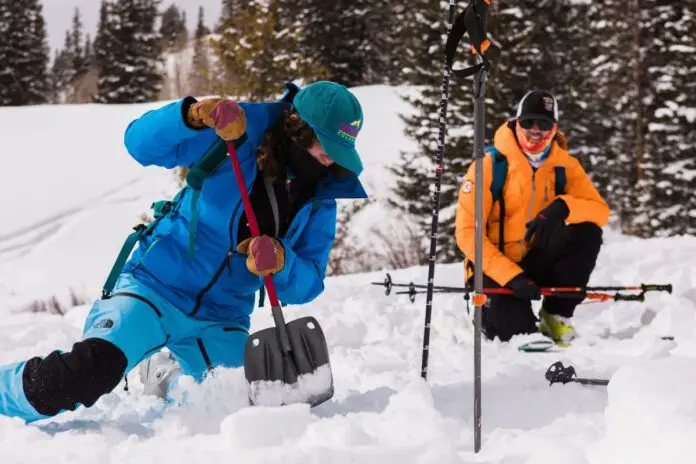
x=69, y=197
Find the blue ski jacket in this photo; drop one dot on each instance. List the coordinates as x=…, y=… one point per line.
x=215, y=284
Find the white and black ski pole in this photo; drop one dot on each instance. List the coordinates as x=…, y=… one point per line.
x=439, y=168
x=472, y=20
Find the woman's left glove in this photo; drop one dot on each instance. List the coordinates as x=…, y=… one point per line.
x=223, y=115
x=266, y=255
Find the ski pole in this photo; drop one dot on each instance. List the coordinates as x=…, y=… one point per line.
x=389, y=284
x=591, y=293
x=595, y=296
x=439, y=168
x=558, y=373
x=473, y=20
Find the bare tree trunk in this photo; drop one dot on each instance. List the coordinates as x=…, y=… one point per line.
x=178, y=80
x=639, y=90
x=635, y=171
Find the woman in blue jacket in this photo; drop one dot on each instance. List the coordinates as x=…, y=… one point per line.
x=194, y=293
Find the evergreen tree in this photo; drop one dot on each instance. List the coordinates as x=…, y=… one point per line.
x=230, y=8
x=256, y=54
x=686, y=173
x=387, y=30
x=24, y=54
x=336, y=37
x=599, y=127
x=128, y=51
x=664, y=190
x=89, y=54
x=423, y=68
x=200, y=81
x=62, y=70
x=79, y=60
x=71, y=63
x=173, y=29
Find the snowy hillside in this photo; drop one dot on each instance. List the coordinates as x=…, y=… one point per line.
x=70, y=195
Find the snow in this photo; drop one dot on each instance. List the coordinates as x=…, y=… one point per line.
x=314, y=385
x=651, y=410
x=71, y=195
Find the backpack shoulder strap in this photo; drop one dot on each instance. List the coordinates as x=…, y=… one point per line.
x=207, y=164
x=560, y=185
x=500, y=167
x=201, y=170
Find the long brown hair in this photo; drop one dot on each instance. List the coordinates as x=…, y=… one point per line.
x=290, y=128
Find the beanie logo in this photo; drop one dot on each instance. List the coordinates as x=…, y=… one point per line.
x=349, y=131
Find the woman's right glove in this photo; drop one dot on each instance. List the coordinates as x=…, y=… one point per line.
x=266, y=255
x=221, y=114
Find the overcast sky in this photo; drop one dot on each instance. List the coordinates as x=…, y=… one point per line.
x=58, y=14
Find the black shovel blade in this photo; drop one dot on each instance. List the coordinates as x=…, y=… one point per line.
x=302, y=375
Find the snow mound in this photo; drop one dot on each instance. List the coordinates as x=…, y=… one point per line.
x=651, y=415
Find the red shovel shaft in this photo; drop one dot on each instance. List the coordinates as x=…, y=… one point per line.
x=251, y=217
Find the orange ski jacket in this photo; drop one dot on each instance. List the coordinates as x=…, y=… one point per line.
x=526, y=192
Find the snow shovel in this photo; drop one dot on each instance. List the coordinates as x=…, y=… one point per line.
x=288, y=363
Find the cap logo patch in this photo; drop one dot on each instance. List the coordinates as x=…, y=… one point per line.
x=548, y=103
x=349, y=131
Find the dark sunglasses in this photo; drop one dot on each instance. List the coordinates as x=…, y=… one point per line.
x=543, y=124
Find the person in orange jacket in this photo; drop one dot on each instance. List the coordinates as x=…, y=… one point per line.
x=549, y=238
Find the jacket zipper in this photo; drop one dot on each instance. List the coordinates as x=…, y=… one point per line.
x=231, y=228
x=531, y=207
x=531, y=199
x=201, y=294
x=225, y=262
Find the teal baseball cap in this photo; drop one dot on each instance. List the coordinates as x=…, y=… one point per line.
x=336, y=117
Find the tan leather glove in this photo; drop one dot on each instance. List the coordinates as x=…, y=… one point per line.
x=223, y=115
x=266, y=255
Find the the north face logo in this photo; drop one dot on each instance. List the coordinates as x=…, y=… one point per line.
x=104, y=324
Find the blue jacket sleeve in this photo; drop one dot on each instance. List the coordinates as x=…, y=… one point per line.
x=161, y=137
x=302, y=278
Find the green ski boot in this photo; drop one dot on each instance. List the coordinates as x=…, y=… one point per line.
x=557, y=328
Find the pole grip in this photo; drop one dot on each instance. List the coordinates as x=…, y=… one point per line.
x=656, y=288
